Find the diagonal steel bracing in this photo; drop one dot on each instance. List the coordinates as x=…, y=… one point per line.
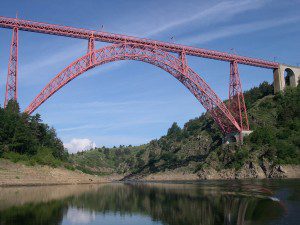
x=54, y=29
x=236, y=103
x=129, y=51
x=12, y=74
x=231, y=119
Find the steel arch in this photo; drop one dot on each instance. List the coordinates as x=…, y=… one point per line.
x=149, y=54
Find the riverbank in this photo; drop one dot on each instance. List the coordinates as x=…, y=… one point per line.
x=248, y=171
x=17, y=174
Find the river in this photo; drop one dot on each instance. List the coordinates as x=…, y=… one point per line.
x=177, y=203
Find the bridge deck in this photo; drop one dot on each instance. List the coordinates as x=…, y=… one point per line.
x=32, y=26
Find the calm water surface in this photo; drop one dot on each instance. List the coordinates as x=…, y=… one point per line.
x=189, y=203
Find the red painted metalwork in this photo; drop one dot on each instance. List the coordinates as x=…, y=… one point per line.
x=154, y=52
x=236, y=97
x=182, y=57
x=91, y=48
x=132, y=51
x=53, y=29
x=91, y=45
x=12, y=74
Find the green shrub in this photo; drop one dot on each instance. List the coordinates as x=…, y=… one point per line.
x=287, y=153
x=44, y=156
x=15, y=157
x=30, y=162
x=169, y=157
x=263, y=136
x=69, y=167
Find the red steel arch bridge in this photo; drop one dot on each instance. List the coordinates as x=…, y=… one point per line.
x=231, y=117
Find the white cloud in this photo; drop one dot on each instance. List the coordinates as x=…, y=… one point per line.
x=233, y=30
x=77, y=144
x=76, y=216
x=211, y=15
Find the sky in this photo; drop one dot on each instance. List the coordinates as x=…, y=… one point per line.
x=131, y=102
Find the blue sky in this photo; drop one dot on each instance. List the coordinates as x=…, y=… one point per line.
x=133, y=102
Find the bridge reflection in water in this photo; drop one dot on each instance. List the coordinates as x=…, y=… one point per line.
x=172, y=204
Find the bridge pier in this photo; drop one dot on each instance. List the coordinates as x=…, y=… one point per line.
x=236, y=137
x=286, y=76
x=11, y=92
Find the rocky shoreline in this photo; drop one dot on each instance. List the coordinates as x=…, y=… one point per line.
x=252, y=171
x=17, y=174
x=248, y=171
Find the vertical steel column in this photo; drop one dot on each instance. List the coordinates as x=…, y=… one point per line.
x=91, y=48
x=236, y=97
x=12, y=75
x=182, y=57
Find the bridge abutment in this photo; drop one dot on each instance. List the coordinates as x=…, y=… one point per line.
x=286, y=76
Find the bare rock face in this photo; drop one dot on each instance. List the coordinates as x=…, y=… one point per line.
x=266, y=167
x=252, y=171
x=249, y=171
x=291, y=171
x=227, y=174
x=277, y=172
x=212, y=174
x=208, y=174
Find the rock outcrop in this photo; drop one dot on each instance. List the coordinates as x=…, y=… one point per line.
x=251, y=171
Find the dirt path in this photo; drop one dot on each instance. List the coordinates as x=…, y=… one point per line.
x=17, y=174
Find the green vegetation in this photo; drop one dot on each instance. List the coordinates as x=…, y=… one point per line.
x=25, y=138
x=279, y=139
x=275, y=121
x=275, y=137
x=199, y=144
x=104, y=160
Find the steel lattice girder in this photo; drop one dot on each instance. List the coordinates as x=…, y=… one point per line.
x=60, y=30
x=129, y=51
x=12, y=74
x=236, y=102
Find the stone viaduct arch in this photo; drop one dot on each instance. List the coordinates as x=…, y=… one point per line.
x=286, y=76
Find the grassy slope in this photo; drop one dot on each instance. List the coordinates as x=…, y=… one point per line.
x=20, y=174
x=199, y=143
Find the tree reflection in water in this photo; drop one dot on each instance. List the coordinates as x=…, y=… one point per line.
x=169, y=204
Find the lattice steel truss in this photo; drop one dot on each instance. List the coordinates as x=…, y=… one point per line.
x=231, y=120
x=236, y=103
x=54, y=29
x=12, y=74
x=154, y=56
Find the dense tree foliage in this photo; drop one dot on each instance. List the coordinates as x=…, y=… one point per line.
x=280, y=140
x=27, y=135
x=252, y=95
